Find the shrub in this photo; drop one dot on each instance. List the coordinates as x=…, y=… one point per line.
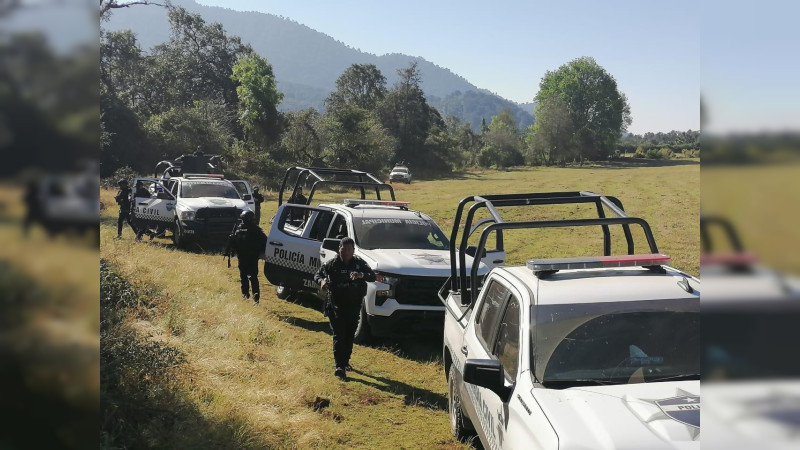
x=125, y=173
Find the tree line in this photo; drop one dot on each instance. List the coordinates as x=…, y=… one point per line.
x=205, y=89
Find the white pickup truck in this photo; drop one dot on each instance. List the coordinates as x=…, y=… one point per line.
x=195, y=207
x=406, y=248
x=573, y=353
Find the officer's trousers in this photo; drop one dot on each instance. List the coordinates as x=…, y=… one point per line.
x=248, y=275
x=343, y=325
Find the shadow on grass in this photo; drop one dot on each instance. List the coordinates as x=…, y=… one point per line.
x=423, y=348
x=412, y=395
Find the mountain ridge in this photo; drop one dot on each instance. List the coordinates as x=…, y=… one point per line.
x=307, y=62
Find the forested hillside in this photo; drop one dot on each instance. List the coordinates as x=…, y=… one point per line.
x=307, y=63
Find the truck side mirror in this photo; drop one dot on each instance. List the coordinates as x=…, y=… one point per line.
x=164, y=196
x=488, y=373
x=472, y=249
x=247, y=197
x=331, y=244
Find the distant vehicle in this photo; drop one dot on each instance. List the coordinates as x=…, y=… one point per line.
x=406, y=248
x=194, y=207
x=66, y=203
x=571, y=353
x=401, y=174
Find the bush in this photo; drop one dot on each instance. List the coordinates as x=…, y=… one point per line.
x=125, y=173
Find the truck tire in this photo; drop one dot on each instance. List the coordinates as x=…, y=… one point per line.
x=363, y=332
x=178, y=238
x=282, y=292
x=460, y=425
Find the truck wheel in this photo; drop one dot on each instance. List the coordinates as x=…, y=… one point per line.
x=460, y=425
x=177, y=235
x=282, y=292
x=408, y=181
x=362, y=330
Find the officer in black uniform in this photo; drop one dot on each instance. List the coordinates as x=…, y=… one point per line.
x=247, y=242
x=258, y=199
x=346, y=279
x=123, y=199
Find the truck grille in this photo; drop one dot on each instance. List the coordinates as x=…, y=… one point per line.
x=208, y=213
x=219, y=220
x=419, y=290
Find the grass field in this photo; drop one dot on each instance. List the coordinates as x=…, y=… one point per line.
x=264, y=374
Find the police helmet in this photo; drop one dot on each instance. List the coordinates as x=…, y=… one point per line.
x=122, y=182
x=247, y=216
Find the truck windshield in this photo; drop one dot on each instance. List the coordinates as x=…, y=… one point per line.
x=401, y=170
x=196, y=189
x=621, y=348
x=399, y=233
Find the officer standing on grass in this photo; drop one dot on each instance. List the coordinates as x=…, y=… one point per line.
x=346, y=279
x=247, y=242
x=123, y=199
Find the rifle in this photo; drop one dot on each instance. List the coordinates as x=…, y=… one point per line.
x=228, y=250
x=329, y=309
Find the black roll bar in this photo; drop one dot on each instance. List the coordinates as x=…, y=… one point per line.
x=458, y=281
x=364, y=181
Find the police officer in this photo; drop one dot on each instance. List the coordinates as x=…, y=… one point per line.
x=123, y=199
x=247, y=242
x=258, y=199
x=346, y=279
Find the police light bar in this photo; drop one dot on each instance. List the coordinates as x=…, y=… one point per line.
x=351, y=202
x=203, y=175
x=740, y=259
x=597, y=262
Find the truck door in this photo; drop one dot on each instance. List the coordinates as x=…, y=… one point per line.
x=337, y=230
x=495, y=335
x=293, y=246
x=245, y=192
x=154, y=205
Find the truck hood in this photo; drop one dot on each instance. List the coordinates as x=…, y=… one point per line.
x=624, y=416
x=193, y=204
x=413, y=262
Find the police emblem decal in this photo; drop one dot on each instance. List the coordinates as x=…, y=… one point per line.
x=684, y=409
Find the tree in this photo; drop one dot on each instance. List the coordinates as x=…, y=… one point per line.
x=195, y=64
x=355, y=138
x=551, y=140
x=258, y=97
x=362, y=85
x=598, y=110
x=181, y=130
x=301, y=142
x=409, y=118
x=502, y=143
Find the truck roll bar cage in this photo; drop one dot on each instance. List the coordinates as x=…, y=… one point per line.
x=458, y=281
x=364, y=181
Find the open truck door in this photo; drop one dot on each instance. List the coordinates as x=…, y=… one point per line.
x=245, y=192
x=293, y=246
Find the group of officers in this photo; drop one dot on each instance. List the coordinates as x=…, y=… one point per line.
x=343, y=279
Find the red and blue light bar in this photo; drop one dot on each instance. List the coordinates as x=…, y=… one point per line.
x=597, y=262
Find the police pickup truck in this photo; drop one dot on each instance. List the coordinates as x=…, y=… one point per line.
x=406, y=248
x=195, y=207
x=573, y=353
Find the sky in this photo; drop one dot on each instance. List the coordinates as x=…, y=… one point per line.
x=651, y=48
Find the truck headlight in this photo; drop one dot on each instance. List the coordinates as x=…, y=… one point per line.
x=187, y=215
x=383, y=292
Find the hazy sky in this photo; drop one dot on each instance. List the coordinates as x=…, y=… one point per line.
x=651, y=48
